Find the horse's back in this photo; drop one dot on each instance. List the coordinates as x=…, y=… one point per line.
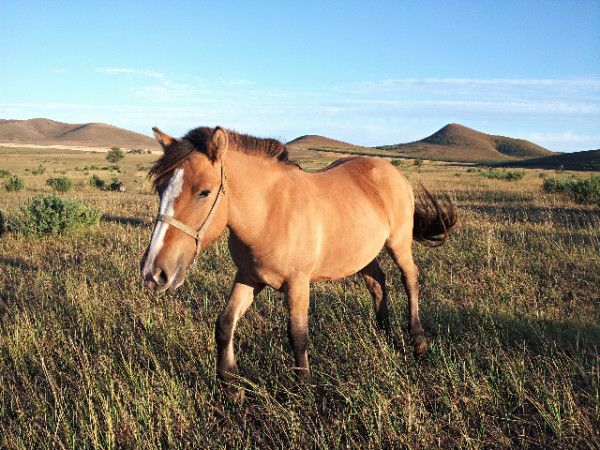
x=361, y=201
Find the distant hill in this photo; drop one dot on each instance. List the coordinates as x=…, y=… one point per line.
x=306, y=146
x=457, y=142
x=50, y=132
x=587, y=160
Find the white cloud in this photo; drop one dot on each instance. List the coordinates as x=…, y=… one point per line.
x=166, y=91
x=128, y=71
x=389, y=111
x=400, y=83
x=563, y=140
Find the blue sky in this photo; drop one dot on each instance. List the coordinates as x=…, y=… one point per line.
x=370, y=73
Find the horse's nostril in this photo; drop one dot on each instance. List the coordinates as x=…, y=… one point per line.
x=162, y=278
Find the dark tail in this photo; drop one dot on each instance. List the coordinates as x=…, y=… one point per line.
x=434, y=217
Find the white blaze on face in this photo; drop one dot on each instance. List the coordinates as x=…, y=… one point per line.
x=167, y=201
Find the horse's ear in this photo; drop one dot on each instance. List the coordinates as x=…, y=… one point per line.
x=218, y=144
x=163, y=139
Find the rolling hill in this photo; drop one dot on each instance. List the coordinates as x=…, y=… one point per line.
x=457, y=142
x=587, y=160
x=309, y=146
x=50, y=132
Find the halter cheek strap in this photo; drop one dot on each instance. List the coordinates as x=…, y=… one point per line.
x=197, y=235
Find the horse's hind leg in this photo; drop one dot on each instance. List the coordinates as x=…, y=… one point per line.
x=375, y=280
x=401, y=252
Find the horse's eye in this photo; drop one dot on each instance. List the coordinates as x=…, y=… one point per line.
x=204, y=193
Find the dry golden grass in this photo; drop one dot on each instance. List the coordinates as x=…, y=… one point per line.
x=511, y=304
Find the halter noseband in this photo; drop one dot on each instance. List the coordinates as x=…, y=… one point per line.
x=197, y=235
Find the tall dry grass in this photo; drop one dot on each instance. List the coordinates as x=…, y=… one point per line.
x=511, y=304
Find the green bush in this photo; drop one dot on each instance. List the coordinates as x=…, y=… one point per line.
x=97, y=182
x=115, y=154
x=38, y=170
x=4, y=173
x=586, y=191
x=55, y=215
x=115, y=185
x=508, y=175
x=14, y=184
x=60, y=184
x=397, y=162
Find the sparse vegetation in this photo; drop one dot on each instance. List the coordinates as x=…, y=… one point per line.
x=508, y=175
x=97, y=182
x=4, y=173
x=88, y=359
x=584, y=191
x=60, y=184
x=14, y=184
x=114, y=185
x=2, y=223
x=39, y=170
x=115, y=155
x=54, y=215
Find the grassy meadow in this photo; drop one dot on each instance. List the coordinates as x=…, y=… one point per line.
x=511, y=304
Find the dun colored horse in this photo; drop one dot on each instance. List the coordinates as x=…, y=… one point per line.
x=287, y=227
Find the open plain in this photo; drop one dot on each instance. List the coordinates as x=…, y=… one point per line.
x=511, y=304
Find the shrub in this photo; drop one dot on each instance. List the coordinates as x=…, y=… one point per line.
x=115, y=154
x=97, y=182
x=508, y=175
x=55, y=215
x=2, y=223
x=4, y=173
x=115, y=185
x=38, y=170
x=397, y=162
x=14, y=184
x=593, y=165
x=586, y=191
x=60, y=184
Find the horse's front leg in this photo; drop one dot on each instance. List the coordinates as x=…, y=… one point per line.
x=242, y=296
x=298, y=295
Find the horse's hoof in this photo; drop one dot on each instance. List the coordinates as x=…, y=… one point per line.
x=234, y=394
x=420, y=345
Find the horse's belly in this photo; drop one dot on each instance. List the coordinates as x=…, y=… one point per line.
x=346, y=257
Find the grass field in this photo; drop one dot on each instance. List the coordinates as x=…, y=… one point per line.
x=511, y=303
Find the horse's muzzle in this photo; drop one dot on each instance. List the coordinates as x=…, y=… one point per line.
x=161, y=280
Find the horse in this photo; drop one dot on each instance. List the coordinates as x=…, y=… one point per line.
x=287, y=228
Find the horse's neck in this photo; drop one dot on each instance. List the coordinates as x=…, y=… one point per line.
x=252, y=182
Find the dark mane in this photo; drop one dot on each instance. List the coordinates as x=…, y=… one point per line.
x=198, y=140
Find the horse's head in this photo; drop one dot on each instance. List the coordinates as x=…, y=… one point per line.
x=190, y=181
